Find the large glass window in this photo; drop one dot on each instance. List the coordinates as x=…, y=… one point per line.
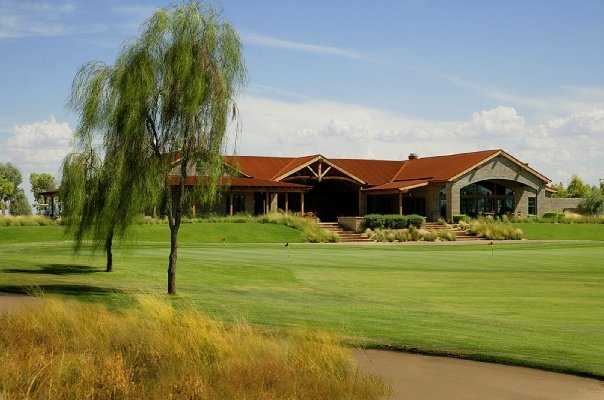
x=532, y=205
x=486, y=198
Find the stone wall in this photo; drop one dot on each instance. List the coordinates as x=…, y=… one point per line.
x=352, y=223
x=555, y=204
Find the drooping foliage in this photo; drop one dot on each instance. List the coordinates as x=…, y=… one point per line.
x=160, y=113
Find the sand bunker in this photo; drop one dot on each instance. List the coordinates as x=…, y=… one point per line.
x=415, y=376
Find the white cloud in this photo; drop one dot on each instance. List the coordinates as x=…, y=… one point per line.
x=558, y=147
x=38, y=145
x=33, y=18
x=571, y=99
x=269, y=41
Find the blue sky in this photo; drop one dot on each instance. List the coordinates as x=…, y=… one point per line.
x=345, y=78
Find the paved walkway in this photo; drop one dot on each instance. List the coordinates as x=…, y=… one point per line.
x=414, y=376
x=11, y=302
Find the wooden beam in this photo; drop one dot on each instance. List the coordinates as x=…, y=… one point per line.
x=286, y=202
x=313, y=171
x=302, y=203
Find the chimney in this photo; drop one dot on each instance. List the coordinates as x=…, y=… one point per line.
x=413, y=156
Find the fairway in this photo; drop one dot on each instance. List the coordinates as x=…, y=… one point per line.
x=548, y=231
x=538, y=305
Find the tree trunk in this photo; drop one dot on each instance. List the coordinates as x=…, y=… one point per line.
x=175, y=209
x=108, y=247
x=172, y=259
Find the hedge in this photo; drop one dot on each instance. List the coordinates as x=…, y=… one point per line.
x=393, y=221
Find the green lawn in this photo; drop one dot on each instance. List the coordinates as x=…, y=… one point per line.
x=251, y=232
x=539, y=305
x=562, y=231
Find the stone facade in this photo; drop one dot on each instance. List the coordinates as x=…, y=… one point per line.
x=523, y=182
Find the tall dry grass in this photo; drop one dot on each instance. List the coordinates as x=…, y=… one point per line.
x=69, y=350
x=26, y=220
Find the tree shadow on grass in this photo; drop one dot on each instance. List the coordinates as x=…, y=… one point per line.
x=56, y=269
x=63, y=289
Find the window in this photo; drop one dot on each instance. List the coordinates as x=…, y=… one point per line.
x=532, y=205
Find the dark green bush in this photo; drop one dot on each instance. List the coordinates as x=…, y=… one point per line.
x=393, y=221
x=415, y=220
x=553, y=215
x=460, y=217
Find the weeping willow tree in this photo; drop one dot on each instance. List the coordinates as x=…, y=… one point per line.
x=160, y=114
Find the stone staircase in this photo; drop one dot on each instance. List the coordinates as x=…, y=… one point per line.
x=460, y=234
x=346, y=236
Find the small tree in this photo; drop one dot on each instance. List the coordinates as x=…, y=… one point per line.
x=41, y=182
x=577, y=188
x=19, y=204
x=7, y=190
x=11, y=174
x=593, y=203
x=162, y=110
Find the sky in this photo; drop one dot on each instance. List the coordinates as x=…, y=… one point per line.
x=343, y=78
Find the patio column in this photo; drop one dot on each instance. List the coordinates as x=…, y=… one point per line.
x=362, y=203
x=231, y=203
x=266, y=202
x=193, y=211
x=274, y=201
x=286, y=202
x=400, y=203
x=302, y=203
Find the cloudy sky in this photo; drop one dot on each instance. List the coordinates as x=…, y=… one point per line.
x=346, y=78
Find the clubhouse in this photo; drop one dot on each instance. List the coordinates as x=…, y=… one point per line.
x=490, y=182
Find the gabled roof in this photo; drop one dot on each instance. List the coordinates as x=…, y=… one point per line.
x=293, y=165
x=441, y=168
x=378, y=174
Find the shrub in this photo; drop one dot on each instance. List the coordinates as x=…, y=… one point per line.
x=460, y=217
x=393, y=221
x=494, y=230
x=314, y=233
x=593, y=204
x=428, y=236
x=72, y=350
x=446, y=235
x=415, y=220
x=26, y=220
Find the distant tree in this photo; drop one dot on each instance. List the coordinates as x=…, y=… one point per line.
x=19, y=204
x=577, y=188
x=560, y=190
x=7, y=190
x=593, y=203
x=41, y=182
x=11, y=174
x=161, y=110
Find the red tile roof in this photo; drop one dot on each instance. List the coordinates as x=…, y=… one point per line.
x=242, y=182
x=441, y=168
x=380, y=174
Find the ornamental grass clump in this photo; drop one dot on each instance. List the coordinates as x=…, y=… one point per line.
x=26, y=220
x=309, y=226
x=70, y=350
x=409, y=235
x=493, y=229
